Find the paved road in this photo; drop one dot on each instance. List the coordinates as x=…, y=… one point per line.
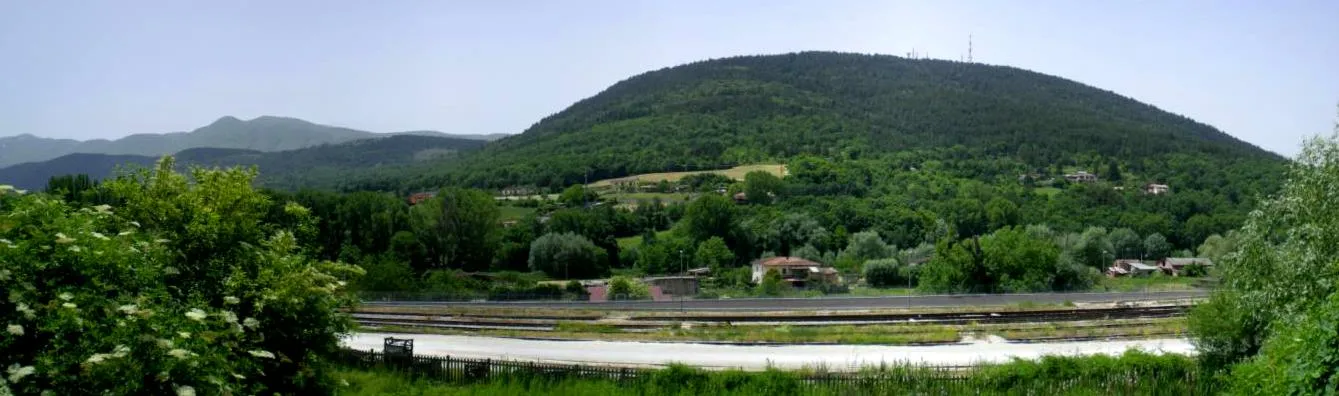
x=752, y=357
x=825, y=303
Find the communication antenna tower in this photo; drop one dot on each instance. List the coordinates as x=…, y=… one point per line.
x=969, y=48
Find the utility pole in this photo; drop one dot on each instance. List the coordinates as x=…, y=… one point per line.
x=683, y=264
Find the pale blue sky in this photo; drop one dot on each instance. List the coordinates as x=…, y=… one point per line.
x=1264, y=71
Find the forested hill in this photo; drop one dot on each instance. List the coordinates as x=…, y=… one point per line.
x=323, y=166
x=768, y=108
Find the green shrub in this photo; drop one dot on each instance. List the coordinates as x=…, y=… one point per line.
x=453, y=284
x=884, y=273
x=181, y=288
x=624, y=288
x=1195, y=270
x=386, y=273
x=771, y=284
x=575, y=288
x=567, y=255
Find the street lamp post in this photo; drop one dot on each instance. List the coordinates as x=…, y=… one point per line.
x=683, y=265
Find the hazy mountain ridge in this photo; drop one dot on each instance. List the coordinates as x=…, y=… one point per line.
x=265, y=133
x=319, y=166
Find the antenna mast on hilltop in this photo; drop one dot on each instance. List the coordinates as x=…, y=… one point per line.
x=969, y=48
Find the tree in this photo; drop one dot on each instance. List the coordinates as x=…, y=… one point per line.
x=1094, y=250
x=1001, y=212
x=956, y=267
x=77, y=189
x=666, y=256
x=888, y=272
x=566, y=255
x=714, y=254
x=406, y=246
x=1217, y=247
x=793, y=230
x=1198, y=228
x=459, y=228
x=513, y=252
x=1113, y=172
x=1125, y=243
x=762, y=187
x=1156, y=247
x=808, y=252
x=181, y=287
x=1009, y=260
x=1017, y=262
x=624, y=288
x=710, y=215
x=575, y=288
x=577, y=196
x=865, y=246
x=770, y=284
x=386, y=273
x=1272, y=317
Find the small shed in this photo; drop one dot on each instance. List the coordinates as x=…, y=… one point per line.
x=400, y=347
x=1176, y=266
x=1131, y=267
x=674, y=285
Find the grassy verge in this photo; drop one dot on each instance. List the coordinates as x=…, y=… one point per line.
x=508, y=212
x=1105, y=329
x=736, y=173
x=517, y=313
x=1046, y=191
x=877, y=292
x=1153, y=283
x=634, y=241
x=876, y=334
x=1133, y=373
x=579, y=314
x=840, y=334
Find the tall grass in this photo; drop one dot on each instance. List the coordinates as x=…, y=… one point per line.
x=1133, y=373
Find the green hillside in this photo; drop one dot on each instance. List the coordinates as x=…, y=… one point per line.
x=322, y=166
x=888, y=161
x=752, y=109
x=915, y=150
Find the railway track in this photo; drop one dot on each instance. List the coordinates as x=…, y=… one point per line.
x=647, y=323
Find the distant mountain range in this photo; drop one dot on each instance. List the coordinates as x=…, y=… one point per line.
x=322, y=166
x=265, y=134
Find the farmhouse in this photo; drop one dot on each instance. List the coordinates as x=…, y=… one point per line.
x=1177, y=266
x=1129, y=267
x=1156, y=189
x=1081, y=177
x=795, y=271
x=417, y=198
x=515, y=191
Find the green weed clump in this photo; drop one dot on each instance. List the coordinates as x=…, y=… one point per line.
x=584, y=327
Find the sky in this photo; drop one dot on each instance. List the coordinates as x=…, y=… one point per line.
x=1265, y=72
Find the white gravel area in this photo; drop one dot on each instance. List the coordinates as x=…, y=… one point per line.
x=755, y=357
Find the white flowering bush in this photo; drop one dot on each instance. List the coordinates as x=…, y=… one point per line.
x=180, y=288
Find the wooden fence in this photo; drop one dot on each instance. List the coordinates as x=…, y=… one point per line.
x=886, y=380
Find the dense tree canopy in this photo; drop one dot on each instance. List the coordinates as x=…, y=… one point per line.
x=183, y=285
x=459, y=227
x=567, y=255
x=1273, y=315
